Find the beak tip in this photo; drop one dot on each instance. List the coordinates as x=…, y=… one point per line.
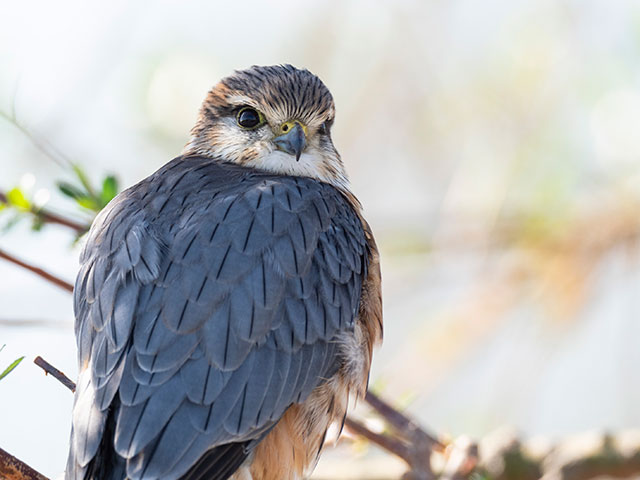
x=292, y=142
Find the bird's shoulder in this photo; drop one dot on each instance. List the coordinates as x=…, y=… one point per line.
x=199, y=185
x=191, y=192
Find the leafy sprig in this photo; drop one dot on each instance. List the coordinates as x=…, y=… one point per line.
x=13, y=365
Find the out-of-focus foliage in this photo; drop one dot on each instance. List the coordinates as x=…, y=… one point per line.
x=85, y=195
x=17, y=199
x=10, y=368
x=20, y=201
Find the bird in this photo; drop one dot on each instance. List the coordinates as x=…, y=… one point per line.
x=226, y=307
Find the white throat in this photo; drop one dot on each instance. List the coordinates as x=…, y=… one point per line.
x=309, y=165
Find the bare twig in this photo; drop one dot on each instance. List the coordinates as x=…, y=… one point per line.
x=38, y=271
x=13, y=469
x=55, y=373
x=51, y=217
x=46, y=148
x=407, y=427
x=417, y=445
x=390, y=444
x=35, y=322
x=617, y=456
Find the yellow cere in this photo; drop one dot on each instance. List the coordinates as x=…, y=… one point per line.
x=287, y=126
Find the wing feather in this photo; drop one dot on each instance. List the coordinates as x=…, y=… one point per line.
x=209, y=300
x=202, y=381
x=139, y=424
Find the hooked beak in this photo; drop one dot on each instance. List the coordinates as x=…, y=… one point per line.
x=293, y=142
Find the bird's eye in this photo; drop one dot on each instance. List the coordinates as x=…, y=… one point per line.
x=249, y=118
x=325, y=127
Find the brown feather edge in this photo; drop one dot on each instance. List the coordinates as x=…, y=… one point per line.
x=296, y=441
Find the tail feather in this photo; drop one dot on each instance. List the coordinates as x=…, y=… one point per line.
x=219, y=463
x=107, y=464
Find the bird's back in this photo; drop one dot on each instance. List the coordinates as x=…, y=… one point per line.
x=211, y=298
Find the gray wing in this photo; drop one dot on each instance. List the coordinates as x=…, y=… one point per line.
x=209, y=300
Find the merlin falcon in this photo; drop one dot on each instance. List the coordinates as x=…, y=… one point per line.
x=227, y=305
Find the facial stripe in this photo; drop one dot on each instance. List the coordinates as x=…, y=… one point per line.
x=281, y=94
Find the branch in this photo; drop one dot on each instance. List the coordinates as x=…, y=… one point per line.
x=13, y=469
x=35, y=322
x=388, y=443
x=410, y=429
x=10, y=467
x=50, y=217
x=408, y=440
x=55, y=373
x=507, y=459
x=45, y=147
x=38, y=271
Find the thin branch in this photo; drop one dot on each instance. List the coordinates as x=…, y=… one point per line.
x=46, y=148
x=35, y=322
x=51, y=217
x=615, y=456
x=55, y=373
x=410, y=429
x=38, y=271
x=388, y=443
x=13, y=469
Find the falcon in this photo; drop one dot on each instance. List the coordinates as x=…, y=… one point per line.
x=227, y=305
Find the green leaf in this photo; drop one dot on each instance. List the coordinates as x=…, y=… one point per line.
x=84, y=180
x=71, y=190
x=17, y=199
x=88, y=203
x=109, y=189
x=38, y=223
x=82, y=198
x=13, y=365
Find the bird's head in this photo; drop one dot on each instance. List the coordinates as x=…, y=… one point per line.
x=275, y=118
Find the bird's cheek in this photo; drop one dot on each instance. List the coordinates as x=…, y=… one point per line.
x=249, y=155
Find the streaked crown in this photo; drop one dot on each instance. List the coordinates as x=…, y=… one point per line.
x=274, y=118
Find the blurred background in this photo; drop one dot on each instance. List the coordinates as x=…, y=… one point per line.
x=494, y=146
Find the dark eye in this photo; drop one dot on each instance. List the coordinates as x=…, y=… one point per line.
x=249, y=118
x=325, y=127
